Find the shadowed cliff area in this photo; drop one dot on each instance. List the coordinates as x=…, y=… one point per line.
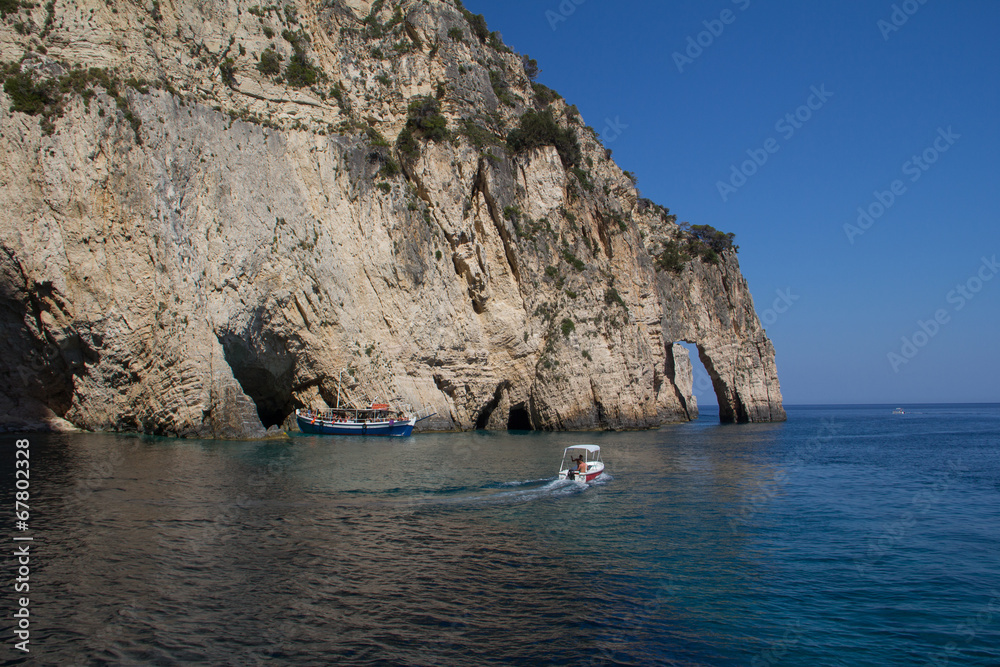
x=212, y=209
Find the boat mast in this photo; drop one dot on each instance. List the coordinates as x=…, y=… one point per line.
x=338, y=387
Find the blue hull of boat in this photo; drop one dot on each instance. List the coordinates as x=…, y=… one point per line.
x=399, y=428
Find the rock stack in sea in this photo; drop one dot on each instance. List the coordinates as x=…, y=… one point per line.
x=213, y=208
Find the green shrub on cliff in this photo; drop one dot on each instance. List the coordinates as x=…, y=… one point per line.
x=407, y=144
x=583, y=177
x=389, y=168
x=375, y=138
x=477, y=22
x=300, y=72
x=227, y=69
x=47, y=97
x=50, y=17
x=9, y=7
x=713, y=238
x=573, y=260
x=424, y=120
x=501, y=89
x=539, y=128
x=270, y=62
x=612, y=297
x=544, y=94
x=672, y=258
x=424, y=115
x=696, y=242
x=479, y=136
x=531, y=69
x=29, y=97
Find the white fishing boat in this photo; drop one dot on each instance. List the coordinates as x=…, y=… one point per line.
x=585, y=466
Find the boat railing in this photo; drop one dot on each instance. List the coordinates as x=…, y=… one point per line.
x=338, y=415
x=425, y=412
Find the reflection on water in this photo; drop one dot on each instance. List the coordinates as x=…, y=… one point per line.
x=703, y=544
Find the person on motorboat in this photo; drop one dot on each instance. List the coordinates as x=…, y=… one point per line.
x=578, y=466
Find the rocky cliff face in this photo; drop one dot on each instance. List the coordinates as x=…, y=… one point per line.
x=210, y=209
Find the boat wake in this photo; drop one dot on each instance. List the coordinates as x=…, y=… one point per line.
x=515, y=492
x=527, y=481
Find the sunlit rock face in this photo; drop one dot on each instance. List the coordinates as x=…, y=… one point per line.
x=194, y=246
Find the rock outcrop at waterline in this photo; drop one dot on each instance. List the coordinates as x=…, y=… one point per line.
x=212, y=208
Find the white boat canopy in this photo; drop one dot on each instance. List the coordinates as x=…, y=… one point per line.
x=589, y=448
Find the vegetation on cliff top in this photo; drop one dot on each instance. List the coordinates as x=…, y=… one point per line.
x=35, y=94
x=697, y=241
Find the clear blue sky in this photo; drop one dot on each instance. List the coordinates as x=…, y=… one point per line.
x=886, y=95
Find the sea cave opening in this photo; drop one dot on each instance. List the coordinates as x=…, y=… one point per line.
x=518, y=419
x=702, y=388
x=264, y=372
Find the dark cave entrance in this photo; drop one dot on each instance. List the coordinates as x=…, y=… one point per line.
x=519, y=419
x=518, y=416
x=263, y=368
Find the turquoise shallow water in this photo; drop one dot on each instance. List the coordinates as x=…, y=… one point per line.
x=846, y=536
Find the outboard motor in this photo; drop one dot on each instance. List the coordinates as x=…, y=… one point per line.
x=571, y=474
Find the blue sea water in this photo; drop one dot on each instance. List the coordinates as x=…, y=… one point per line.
x=845, y=536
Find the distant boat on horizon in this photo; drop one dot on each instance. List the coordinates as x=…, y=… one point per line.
x=898, y=411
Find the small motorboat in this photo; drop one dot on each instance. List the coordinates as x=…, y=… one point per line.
x=898, y=411
x=581, y=463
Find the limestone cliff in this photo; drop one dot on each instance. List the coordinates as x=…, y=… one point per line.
x=211, y=208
